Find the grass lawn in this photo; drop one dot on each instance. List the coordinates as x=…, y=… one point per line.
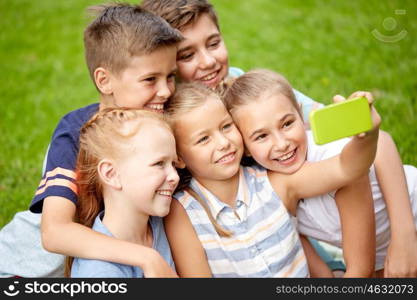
x=323, y=47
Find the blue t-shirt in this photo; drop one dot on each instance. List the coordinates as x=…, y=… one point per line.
x=59, y=175
x=99, y=268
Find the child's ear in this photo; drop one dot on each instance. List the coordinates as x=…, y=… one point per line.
x=180, y=163
x=108, y=174
x=103, y=80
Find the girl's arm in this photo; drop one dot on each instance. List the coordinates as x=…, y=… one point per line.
x=187, y=251
x=357, y=218
x=60, y=234
x=316, y=266
x=401, y=260
x=331, y=174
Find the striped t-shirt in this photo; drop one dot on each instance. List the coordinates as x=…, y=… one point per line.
x=264, y=242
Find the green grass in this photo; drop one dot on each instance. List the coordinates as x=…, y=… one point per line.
x=323, y=47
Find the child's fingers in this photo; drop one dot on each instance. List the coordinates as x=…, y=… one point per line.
x=338, y=98
x=367, y=95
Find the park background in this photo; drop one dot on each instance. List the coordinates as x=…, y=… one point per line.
x=323, y=47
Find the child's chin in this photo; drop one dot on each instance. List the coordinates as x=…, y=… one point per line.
x=285, y=169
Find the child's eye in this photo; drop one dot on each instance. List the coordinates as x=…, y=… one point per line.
x=287, y=123
x=150, y=79
x=159, y=164
x=185, y=56
x=260, y=137
x=202, y=140
x=227, y=126
x=171, y=77
x=214, y=44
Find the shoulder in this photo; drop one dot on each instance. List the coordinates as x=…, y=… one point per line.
x=76, y=118
x=254, y=173
x=320, y=152
x=67, y=132
x=235, y=72
x=186, y=200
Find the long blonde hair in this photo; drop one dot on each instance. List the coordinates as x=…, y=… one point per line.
x=254, y=84
x=105, y=135
x=189, y=96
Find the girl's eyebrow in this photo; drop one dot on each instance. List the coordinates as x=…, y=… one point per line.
x=279, y=121
x=256, y=132
x=198, y=134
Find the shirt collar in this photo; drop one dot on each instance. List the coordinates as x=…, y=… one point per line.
x=214, y=204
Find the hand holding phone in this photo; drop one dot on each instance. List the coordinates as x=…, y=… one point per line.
x=339, y=120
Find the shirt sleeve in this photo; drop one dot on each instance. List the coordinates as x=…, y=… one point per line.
x=307, y=105
x=58, y=178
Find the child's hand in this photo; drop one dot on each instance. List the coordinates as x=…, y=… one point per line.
x=376, y=119
x=401, y=260
x=156, y=266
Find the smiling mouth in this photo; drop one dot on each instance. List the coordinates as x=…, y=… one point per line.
x=157, y=107
x=164, y=192
x=226, y=159
x=287, y=156
x=209, y=76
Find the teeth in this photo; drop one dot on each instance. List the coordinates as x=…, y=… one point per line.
x=164, y=192
x=226, y=158
x=155, y=106
x=287, y=156
x=209, y=77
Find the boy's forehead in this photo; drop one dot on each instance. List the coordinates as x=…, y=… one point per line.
x=164, y=57
x=204, y=25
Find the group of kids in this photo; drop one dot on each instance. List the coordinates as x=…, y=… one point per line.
x=187, y=167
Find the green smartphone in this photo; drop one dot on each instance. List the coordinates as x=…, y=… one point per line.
x=339, y=120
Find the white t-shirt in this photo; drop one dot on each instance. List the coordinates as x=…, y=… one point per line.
x=318, y=217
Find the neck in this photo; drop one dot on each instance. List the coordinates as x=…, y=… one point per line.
x=225, y=190
x=125, y=222
x=106, y=101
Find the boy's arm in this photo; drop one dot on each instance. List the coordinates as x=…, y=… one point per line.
x=60, y=234
x=401, y=260
x=188, y=253
x=316, y=266
x=357, y=218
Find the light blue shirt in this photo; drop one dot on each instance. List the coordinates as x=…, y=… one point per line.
x=99, y=268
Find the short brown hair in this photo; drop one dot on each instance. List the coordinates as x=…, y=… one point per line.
x=181, y=13
x=121, y=31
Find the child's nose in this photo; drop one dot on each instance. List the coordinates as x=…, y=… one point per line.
x=164, y=90
x=173, y=177
x=281, y=143
x=223, y=142
x=207, y=60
